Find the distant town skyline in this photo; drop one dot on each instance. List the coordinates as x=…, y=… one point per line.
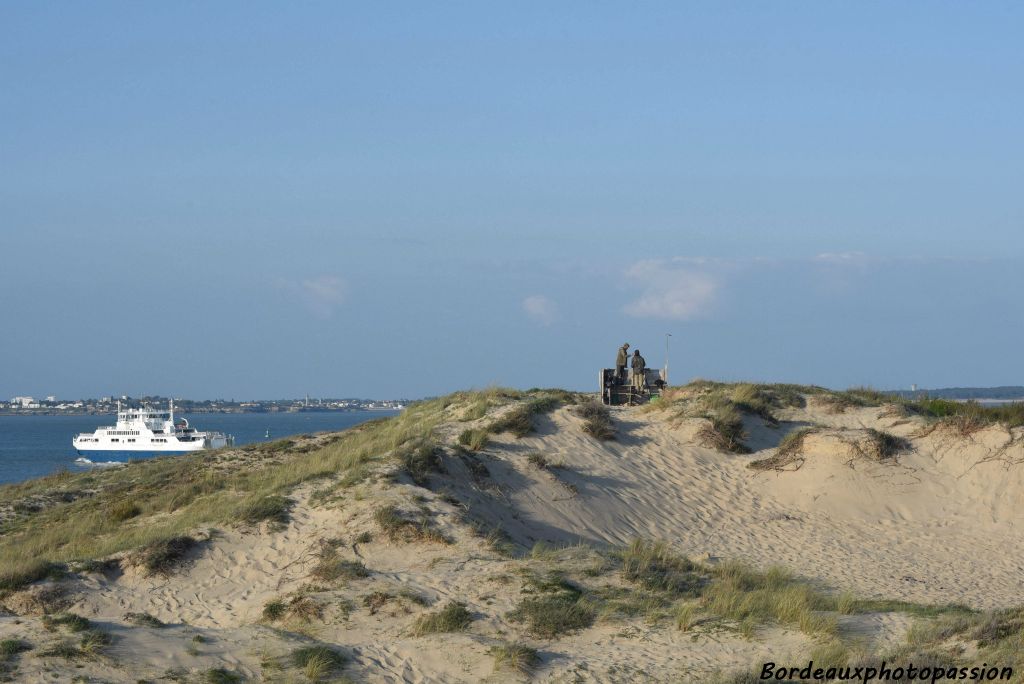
x=395, y=199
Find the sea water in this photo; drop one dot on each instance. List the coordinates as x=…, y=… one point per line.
x=32, y=446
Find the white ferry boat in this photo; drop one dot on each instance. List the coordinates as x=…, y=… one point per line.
x=148, y=431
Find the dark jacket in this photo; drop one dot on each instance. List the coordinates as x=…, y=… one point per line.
x=639, y=365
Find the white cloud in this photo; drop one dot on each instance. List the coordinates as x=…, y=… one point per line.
x=673, y=289
x=841, y=257
x=541, y=309
x=321, y=295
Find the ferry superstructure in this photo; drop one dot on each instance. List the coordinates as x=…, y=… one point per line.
x=148, y=431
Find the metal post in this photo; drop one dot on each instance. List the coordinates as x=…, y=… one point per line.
x=667, y=335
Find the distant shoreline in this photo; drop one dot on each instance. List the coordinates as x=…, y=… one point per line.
x=310, y=409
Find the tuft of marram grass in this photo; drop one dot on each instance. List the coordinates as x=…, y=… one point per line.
x=554, y=616
x=219, y=675
x=164, y=556
x=143, y=620
x=516, y=657
x=882, y=446
x=474, y=439
x=317, y=662
x=274, y=610
x=69, y=621
x=654, y=566
x=273, y=508
x=519, y=420
x=12, y=647
x=597, y=420
x=420, y=459
x=397, y=527
x=333, y=569
x=124, y=510
x=454, y=617
x=788, y=455
x=93, y=642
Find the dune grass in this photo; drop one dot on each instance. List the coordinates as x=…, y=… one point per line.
x=164, y=556
x=398, y=527
x=317, y=662
x=474, y=439
x=143, y=620
x=554, y=607
x=788, y=455
x=454, y=617
x=515, y=657
x=597, y=420
x=519, y=420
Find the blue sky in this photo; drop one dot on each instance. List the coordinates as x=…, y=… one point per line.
x=403, y=199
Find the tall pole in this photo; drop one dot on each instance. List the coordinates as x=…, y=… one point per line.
x=667, y=335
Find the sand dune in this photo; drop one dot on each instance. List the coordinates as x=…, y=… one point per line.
x=937, y=523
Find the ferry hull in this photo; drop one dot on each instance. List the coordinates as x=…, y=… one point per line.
x=96, y=454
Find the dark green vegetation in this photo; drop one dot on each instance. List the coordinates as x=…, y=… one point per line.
x=452, y=618
x=597, y=420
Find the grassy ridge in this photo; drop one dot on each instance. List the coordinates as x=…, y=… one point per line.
x=170, y=496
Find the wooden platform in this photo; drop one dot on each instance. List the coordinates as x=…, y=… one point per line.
x=615, y=394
